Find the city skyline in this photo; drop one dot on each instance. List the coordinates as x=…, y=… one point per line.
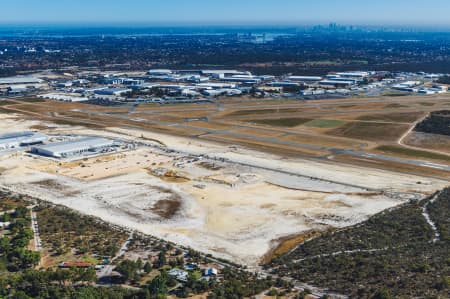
x=231, y=12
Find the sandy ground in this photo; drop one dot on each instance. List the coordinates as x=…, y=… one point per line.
x=105, y=166
x=236, y=211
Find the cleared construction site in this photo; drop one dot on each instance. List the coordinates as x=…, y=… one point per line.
x=243, y=184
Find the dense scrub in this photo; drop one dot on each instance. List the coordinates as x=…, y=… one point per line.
x=56, y=284
x=391, y=253
x=437, y=123
x=10, y=201
x=439, y=213
x=63, y=230
x=14, y=241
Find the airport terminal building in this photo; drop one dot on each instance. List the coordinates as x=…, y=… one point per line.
x=75, y=147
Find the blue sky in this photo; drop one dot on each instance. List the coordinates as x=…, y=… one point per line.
x=237, y=12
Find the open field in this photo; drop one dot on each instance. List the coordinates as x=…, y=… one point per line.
x=324, y=123
x=412, y=153
x=370, y=131
x=228, y=209
x=393, y=117
x=273, y=126
x=282, y=122
x=429, y=141
x=201, y=183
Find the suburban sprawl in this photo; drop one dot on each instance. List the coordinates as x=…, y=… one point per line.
x=179, y=175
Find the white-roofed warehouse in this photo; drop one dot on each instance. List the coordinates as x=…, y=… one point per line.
x=17, y=139
x=73, y=147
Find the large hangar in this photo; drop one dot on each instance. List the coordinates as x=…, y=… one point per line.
x=17, y=139
x=74, y=147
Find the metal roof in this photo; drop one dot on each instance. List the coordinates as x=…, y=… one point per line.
x=20, y=80
x=21, y=137
x=16, y=135
x=76, y=145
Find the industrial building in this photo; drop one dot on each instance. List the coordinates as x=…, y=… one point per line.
x=359, y=75
x=284, y=84
x=15, y=140
x=408, y=86
x=20, y=80
x=113, y=91
x=223, y=73
x=304, y=78
x=216, y=85
x=159, y=72
x=63, y=97
x=246, y=79
x=75, y=147
x=337, y=82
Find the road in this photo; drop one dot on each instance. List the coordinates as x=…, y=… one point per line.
x=105, y=273
x=301, y=286
x=35, y=228
x=426, y=215
x=391, y=159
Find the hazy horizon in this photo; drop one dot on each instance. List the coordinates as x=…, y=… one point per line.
x=401, y=13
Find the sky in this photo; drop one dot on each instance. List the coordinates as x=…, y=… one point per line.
x=227, y=12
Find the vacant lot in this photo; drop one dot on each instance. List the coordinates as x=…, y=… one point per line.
x=32, y=100
x=427, y=104
x=412, y=153
x=263, y=111
x=429, y=141
x=282, y=122
x=392, y=117
x=395, y=105
x=286, y=128
x=325, y=123
x=370, y=131
x=4, y=103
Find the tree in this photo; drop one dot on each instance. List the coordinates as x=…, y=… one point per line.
x=180, y=261
x=158, y=286
x=62, y=276
x=161, y=259
x=21, y=295
x=86, y=275
x=139, y=263
x=146, y=294
x=6, y=217
x=193, y=277
x=382, y=294
x=147, y=267
x=4, y=245
x=194, y=255
x=128, y=269
x=20, y=212
x=444, y=80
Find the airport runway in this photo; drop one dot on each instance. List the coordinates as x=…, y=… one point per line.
x=275, y=140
